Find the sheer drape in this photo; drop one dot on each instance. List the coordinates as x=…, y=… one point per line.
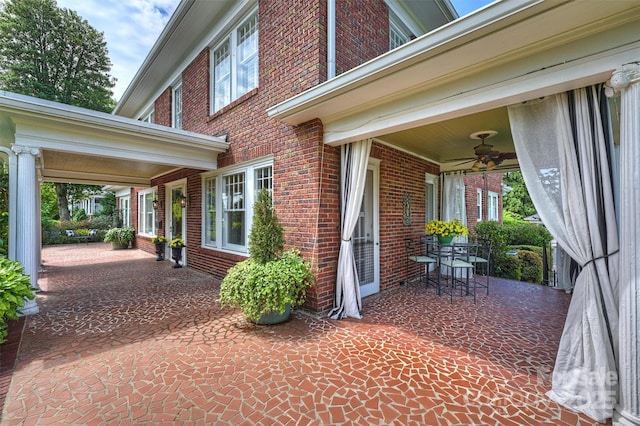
x=453, y=200
x=354, y=160
x=562, y=148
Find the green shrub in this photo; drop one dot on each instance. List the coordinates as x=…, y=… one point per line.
x=79, y=215
x=493, y=232
x=120, y=235
x=266, y=238
x=526, y=234
x=509, y=267
x=531, y=266
x=15, y=287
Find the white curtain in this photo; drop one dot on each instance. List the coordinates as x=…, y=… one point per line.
x=562, y=147
x=453, y=200
x=354, y=159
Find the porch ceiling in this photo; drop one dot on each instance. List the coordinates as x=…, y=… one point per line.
x=77, y=145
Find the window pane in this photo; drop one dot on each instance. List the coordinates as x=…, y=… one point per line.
x=148, y=208
x=177, y=107
x=222, y=77
x=234, y=210
x=247, y=51
x=210, y=207
x=264, y=178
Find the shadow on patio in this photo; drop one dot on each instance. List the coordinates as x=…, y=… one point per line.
x=122, y=338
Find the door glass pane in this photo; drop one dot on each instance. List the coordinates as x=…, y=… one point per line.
x=176, y=213
x=363, y=235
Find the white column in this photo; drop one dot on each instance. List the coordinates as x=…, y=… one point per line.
x=626, y=81
x=27, y=240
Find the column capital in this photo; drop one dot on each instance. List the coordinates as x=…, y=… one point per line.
x=622, y=78
x=21, y=149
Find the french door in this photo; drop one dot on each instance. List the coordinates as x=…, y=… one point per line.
x=366, y=245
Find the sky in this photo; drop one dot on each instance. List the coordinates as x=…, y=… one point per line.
x=131, y=27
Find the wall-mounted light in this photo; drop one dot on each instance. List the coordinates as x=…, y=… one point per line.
x=184, y=201
x=156, y=204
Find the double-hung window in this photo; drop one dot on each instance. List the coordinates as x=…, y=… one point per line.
x=235, y=64
x=146, y=213
x=177, y=106
x=493, y=206
x=479, y=204
x=228, y=208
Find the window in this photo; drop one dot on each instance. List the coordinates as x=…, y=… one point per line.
x=146, y=213
x=210, y=211
x=177, y=107
x=228, y=217
x=149, y=118
x=431, y=198
x=398, y=32
x=125, y=210
x=235, y=64
x=479, y=204
x=492, y=214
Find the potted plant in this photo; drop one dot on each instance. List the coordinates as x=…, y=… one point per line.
x=271, y=281
x=176, y=251
x=159, y=242
x=15, y=288
x=120, y=237
x=445, y=231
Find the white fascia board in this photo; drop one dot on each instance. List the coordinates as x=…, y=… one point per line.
x=29, y=109
x=439, y=105
x=300, y=108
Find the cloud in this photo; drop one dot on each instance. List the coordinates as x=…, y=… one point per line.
x=130, y=28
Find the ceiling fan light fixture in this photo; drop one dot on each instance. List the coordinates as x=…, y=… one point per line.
x=476, y=166
x=490, y=165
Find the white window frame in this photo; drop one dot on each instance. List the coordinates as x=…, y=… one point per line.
x=217, y=181
x=493, y=210
x=232, y=76
x=144, y=216
x=398, y=33
x=149, y=117
x=176, y=106
x=431, y=205
x=479, y=204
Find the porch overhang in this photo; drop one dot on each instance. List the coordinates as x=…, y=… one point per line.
x=427, y=97
x=78, y=145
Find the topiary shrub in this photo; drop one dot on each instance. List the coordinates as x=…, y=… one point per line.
x=269, y=280
x=531, y=266
x=15, y=287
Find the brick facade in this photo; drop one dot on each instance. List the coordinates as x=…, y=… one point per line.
x=292, y=58
x=487, y=182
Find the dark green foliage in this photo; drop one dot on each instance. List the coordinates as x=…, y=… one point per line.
x=509, y=267
x=531, y=266
x=517, y=199
x=52, y=53
x=492, y=231
x=266, y=238
x=527, y=234
x=80, y=215
x=15, y=288
x=4, y=208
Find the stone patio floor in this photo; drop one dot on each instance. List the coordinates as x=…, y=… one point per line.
x=122, y=339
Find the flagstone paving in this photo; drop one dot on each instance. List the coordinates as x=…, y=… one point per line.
x=122, y=339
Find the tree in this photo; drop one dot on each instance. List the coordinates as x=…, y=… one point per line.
x=517, y=200
x=52, y=53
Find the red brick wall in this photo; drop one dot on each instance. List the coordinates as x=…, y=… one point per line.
x=162, y=108
x=487, y=182
x=400, y=173
x=292, y=45
x=362, y=32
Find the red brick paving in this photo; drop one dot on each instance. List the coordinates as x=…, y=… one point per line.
x=123, y=339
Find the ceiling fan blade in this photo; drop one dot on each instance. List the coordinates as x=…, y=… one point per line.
x=464, y=162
